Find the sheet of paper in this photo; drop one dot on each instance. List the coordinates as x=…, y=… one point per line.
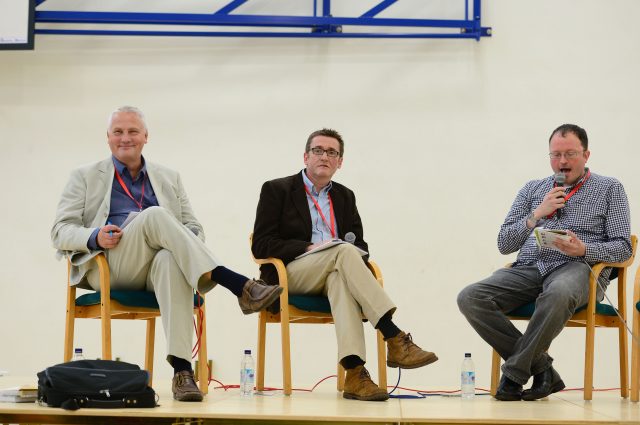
x=129, y=219
x=328, y=244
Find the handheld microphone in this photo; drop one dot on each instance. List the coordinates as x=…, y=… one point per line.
x=559, y=178
x=350, y=237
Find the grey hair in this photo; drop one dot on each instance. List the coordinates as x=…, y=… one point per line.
x=127, y=109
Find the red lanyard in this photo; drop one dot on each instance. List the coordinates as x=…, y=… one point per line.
x=333, y=220
x=573, y=191
x=126, y=190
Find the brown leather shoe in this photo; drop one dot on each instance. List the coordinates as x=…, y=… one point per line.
x=184, y=387
x=257, y=295
x=403, y=353
x=359, y=386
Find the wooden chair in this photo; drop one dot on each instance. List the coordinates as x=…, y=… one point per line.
x=304, y=309
x=128, y=305
x=593, y=315
x=635, y=343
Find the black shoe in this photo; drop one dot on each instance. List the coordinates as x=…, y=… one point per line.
x=544, y=383
x=508, y=390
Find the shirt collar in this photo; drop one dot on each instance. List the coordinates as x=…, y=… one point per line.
x=120, y=167
x=309, y=185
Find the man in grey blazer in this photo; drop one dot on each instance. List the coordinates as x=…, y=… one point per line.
x=160, y=248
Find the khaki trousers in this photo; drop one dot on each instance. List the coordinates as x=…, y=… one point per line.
x=340, y=274
x=158, y=253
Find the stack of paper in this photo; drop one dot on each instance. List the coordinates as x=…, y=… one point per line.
x=23, y=394
x=546, y=238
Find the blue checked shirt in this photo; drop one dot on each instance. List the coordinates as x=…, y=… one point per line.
x=598, y=213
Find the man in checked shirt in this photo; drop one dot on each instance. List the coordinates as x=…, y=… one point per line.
x=594, y=211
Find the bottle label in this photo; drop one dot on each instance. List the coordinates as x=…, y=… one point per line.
x=468, y=378
x=248, y=374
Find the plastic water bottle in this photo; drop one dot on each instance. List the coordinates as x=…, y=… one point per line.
x=247, y=374
x=77, y=354
x=468, y=377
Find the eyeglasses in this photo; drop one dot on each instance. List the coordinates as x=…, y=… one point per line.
x=331, y=153
x=568, y=155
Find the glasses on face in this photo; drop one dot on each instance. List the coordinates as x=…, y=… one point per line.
x=567, y=155
x=331, y=153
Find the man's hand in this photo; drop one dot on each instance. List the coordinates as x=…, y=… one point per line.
x=109, y=236
x=573, y=247
x=553, y=200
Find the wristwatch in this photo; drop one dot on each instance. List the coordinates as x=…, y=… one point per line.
x=532, y=218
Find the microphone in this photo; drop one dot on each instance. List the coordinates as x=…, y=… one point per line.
x=559, y=178
x=350, y=237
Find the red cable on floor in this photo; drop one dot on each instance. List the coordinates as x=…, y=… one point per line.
x=426, y=392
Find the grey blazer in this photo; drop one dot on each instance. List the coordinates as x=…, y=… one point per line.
x=84, y=206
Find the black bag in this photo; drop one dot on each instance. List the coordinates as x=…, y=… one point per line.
x=95, y=383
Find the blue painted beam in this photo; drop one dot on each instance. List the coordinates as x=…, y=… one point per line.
x=250, y=34
x=135, y=18
x=378, y=8
x=233, y=5
x=326, y=7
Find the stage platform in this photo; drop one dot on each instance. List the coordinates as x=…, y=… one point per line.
x=325, y=405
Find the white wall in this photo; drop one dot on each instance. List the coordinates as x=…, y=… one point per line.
x=440, y=135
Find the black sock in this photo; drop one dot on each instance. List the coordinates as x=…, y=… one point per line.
x=180, y=364
x=229, y=279
x=387, y=327
x=351, y=361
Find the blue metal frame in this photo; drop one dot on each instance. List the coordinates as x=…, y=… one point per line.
x=319, y=26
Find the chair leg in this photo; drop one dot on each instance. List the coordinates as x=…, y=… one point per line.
x=106, y=336
x=105, y=305
x=340, y=374
x=69, y=323
x=382, y=361
x=203, y=362
x=624, y=361
x=149, y=348
x=286, y=349
x=262, y=335
x=588, y=362
x=495, y=372
x=635, y=358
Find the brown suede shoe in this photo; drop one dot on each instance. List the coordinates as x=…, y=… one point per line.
x=403, y=353
x=184, y=387
x=257, y=295
x=359, y=386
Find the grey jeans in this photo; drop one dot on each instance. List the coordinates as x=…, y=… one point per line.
x=557, y=296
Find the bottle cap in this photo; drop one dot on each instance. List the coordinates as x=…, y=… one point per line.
x=467, y=354
x=247, y=351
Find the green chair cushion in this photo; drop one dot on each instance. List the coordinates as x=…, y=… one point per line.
x=315, y=303
x=528, y=309
x=142, y=299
